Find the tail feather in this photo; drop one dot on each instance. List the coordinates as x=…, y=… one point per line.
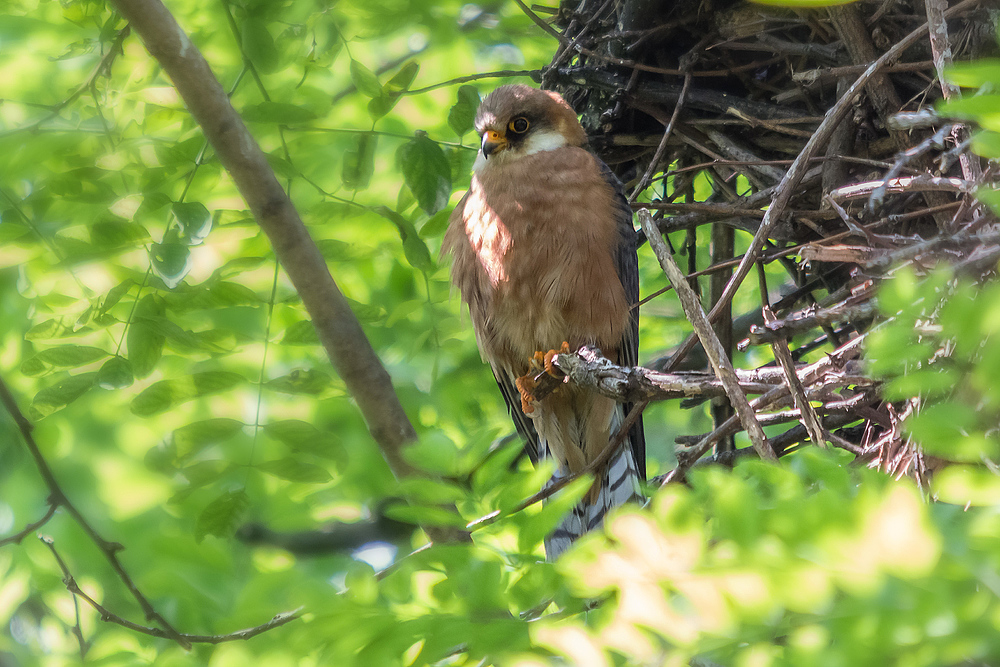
x=619, y=485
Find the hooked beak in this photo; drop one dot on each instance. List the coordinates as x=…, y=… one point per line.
x=493, y=142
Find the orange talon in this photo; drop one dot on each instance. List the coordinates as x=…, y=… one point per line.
x=524, y=386
x=547, y=359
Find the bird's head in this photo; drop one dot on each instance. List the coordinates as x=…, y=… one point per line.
x=517, y=120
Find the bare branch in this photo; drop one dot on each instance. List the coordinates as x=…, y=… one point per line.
x=339, y=331
x=716, y=353
x=110, y=617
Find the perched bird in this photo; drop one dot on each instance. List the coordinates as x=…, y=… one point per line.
x=543, y=253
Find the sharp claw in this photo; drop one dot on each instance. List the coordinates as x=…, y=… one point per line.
x=547, y=360
x=524, y=385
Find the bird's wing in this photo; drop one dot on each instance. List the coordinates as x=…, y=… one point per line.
x=525, y=428
x=628, y=272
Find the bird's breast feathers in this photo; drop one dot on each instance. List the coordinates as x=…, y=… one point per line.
x=533, y=244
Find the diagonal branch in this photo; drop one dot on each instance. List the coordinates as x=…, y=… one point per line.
x=109, y=616
x=713, y=348
x=57, y=498
x=339, y=331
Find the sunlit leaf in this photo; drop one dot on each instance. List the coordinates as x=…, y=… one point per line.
x=61, y=394
x=116, y=373
x=309, y=382
x=293, y=470
x=195, y=221
x=143, y=343
x=63, y=356
x=414, y=248
x=359, y=162
x=300, y=333
x=166, y=394
x=258, y=45
x=115, y=295
x=221, y=517
x=365, y=80
x=171, y=262
x=190, y=439
x=426, y=172
x=462, y=115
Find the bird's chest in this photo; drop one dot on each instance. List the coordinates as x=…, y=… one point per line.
x=542, y=253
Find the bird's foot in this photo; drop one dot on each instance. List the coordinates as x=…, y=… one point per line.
x=542, y=376
x=525, y=385
x=547, y=360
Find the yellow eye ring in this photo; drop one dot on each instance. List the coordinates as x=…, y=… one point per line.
x=519, y=125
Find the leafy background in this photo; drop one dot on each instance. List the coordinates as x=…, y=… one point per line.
x=178, y=390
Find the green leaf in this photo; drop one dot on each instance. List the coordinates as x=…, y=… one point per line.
x=171, y=262
x=113, y=235
x=414, y=248
x=293, y=470
x=984, y=109
x=426, y=172
x=987, y=144
x=64, y=356
x=194, y=437
x=221, y=294
x=116, y=373
x=166, y=394
x=115, y=295
x=222, y=515
x=365, y=80
x=359, y=162
x=975, y=73
x=401, y=81
x=236, y=266
x=277, y=112
x=61, y=394
x=258, y=45
x=462, y=116
x=309, y=382
x=425, y=515
x=143, y=343
x=300, y=333
x=304, y=437
x=195, y=222
x=383, y=103
x=205, y=472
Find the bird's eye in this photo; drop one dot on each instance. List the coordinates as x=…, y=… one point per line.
x=518, y=125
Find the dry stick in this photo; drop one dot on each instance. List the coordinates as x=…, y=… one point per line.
x=338, y=329
x=109, y=616
x=713, y=348
x=808, y=416
x=941, y=51
x=699, y=450
x=644, y=181
x=57, y=498
x=797, y=170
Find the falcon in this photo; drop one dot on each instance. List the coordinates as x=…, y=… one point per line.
x=544, y=254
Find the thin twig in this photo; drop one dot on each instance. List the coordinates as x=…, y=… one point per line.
x=644, y=181
x=710, y=342
x=30, y=528
x=57, y=498
x=109, y=616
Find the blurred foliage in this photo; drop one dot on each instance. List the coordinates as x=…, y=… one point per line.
x=179, y=392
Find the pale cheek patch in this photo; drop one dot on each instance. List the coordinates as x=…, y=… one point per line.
x=549, y=140
x=543, y=141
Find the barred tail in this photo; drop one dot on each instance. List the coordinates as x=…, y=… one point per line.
x=620, y=484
